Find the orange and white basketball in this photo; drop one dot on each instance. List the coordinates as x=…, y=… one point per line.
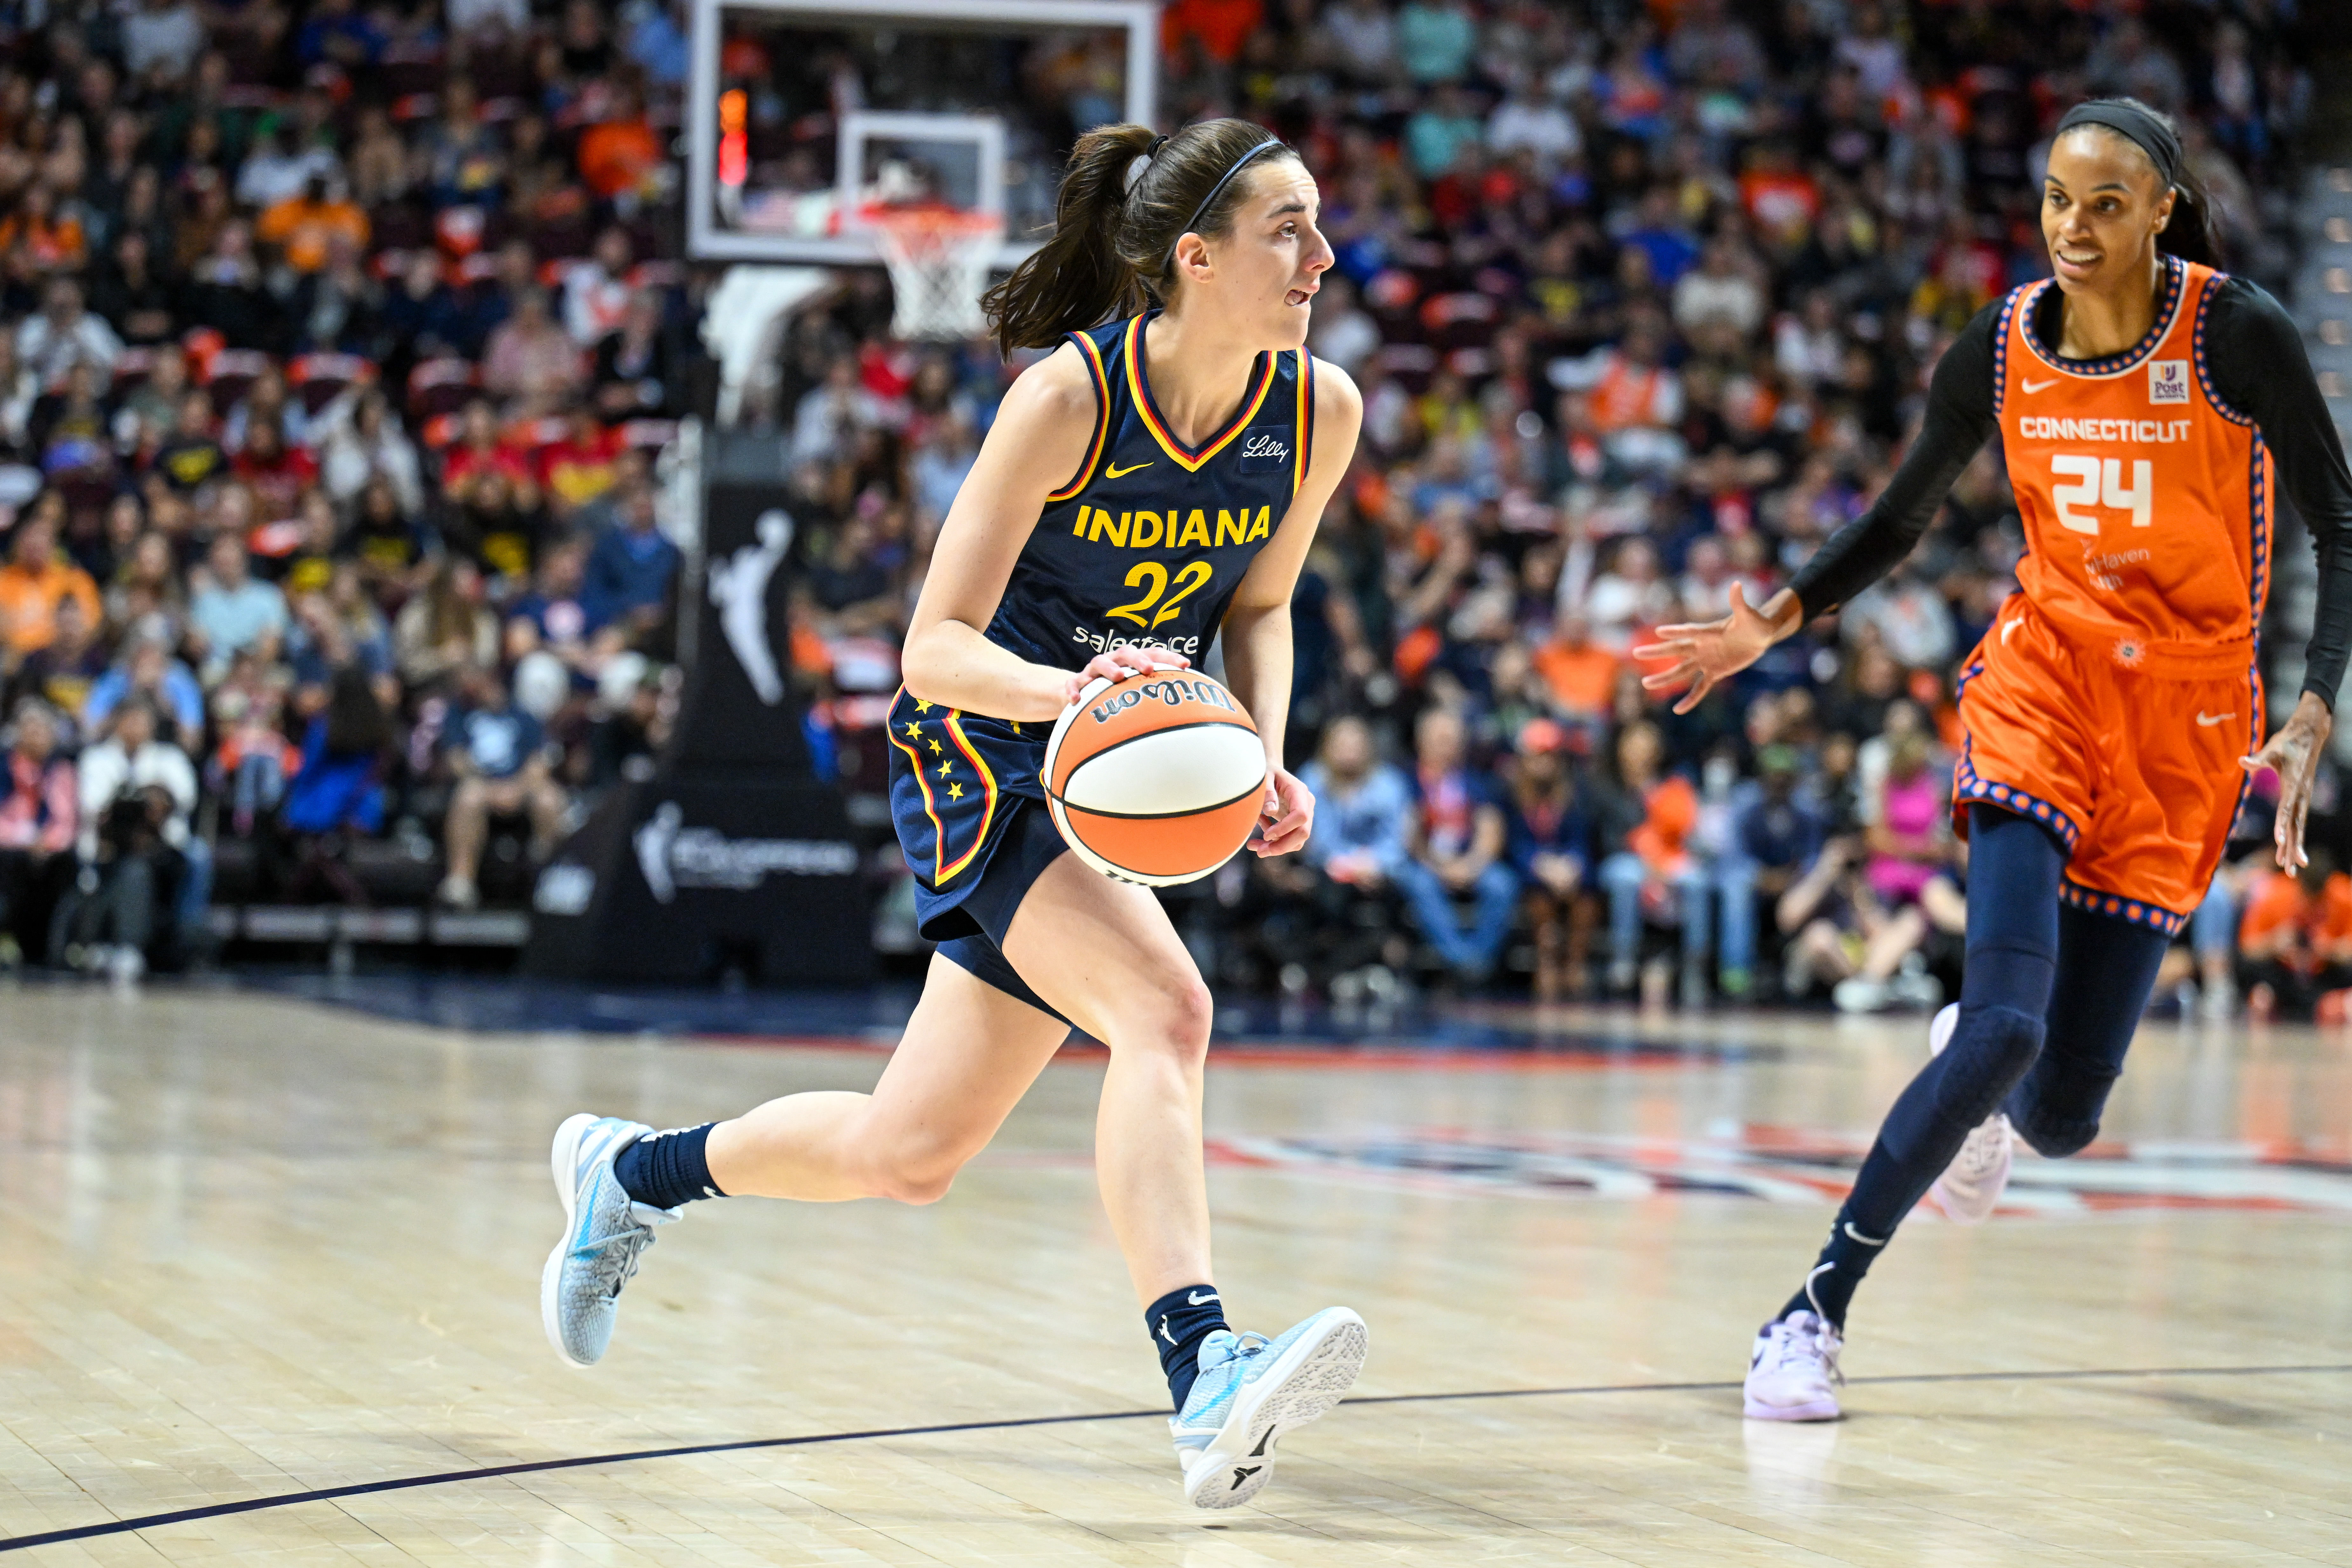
x=1155, y=779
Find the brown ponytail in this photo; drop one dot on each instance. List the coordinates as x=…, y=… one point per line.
x=1114, y=244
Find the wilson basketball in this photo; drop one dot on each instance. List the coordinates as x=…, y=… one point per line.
x=1155, y=779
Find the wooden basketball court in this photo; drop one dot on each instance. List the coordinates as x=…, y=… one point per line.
x=270, y=1297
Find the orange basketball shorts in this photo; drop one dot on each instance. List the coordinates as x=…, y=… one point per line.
x=2130, y=758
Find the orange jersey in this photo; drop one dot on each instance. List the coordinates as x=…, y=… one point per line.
x=2146, y=499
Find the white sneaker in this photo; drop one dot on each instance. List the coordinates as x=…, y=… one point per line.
x=2218, y=1001
x=1970, y=1187
x=1793, y=1372
x=603, y=1233
x=1860, y=994
x=125, y=964
x=1250, y=1389
x=457, y=893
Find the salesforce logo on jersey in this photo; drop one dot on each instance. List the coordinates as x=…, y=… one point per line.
x=673, y=855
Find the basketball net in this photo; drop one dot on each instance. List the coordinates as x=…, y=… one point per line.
x=938, y=258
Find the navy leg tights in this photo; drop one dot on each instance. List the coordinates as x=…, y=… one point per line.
x=2037, y=972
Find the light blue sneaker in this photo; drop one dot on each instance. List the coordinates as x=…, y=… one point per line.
x=604, y=1232
x=1252, y=1388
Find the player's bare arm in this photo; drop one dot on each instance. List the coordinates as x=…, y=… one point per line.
x=1040, y=436
x=1257, y=627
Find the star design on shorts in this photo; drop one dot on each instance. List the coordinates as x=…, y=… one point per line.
x=945, y=768
x=934, y=746
x=1016, y=726
x=955, y=792
x=913, y=729
x=921, y=705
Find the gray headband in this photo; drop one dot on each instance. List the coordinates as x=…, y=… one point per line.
x=2135, y=124
x=1210, y=200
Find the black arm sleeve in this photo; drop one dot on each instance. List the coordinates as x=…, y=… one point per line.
x=2256, y=354
x=1960, y=421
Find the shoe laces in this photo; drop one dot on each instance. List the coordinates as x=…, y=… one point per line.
x=1814, y=1344
x=1245, y=1346
x=1982, y=1152
x=1816, y=1341
x=614, y=1258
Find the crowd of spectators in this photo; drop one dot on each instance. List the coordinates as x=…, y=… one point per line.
x=335, y=341
x=1642, y=300
x=335, y=338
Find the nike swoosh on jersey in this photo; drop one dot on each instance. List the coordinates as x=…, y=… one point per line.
x=2040, y=386
x=1113, y=473
x=2207, y=720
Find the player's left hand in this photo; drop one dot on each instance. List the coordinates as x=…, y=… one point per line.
x=2292, y=752
x=1288, y=814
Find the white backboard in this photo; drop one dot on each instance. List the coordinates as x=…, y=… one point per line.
x=883, y=76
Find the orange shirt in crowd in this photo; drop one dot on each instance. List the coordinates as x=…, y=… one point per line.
x=1673, y=811
x=1580, y=677
x=2322, y=922
x=29, y=599
x=1627, y=394
x=301, y=228
x=617, y=155
x=54, y=245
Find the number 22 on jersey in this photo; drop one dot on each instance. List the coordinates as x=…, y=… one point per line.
x=1190, y=578
x=2100, y=482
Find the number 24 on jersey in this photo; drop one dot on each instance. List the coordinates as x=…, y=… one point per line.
x=2099, y=482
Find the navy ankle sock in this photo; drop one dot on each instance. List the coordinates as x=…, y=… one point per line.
x=1828, y=1288
x=1178, y=1321
x=666, y=1169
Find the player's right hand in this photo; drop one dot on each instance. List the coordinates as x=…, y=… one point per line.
x=1122, y=664
x=1706, y=652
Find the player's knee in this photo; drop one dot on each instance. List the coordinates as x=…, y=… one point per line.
x=2054, y=1139
x=1991, y=1047
x=2057, y=1113
x=915, y=1174
x=1177, y=1018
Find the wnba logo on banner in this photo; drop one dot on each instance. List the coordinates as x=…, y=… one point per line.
x=2168, y=380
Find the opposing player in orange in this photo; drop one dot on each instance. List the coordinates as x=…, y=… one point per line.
x=2150, y=409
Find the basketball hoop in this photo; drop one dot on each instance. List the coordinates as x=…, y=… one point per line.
x=938, y=258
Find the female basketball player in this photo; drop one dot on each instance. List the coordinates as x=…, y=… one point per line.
x=1151, y=484
x=2147, y=405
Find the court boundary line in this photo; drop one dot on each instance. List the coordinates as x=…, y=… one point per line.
x=749, y=1445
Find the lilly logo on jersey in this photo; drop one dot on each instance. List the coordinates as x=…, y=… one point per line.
x=1263, y=453
x=1172, y=530
x=1174, y=690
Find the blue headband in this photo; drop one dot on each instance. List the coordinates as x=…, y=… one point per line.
x=1210, y=200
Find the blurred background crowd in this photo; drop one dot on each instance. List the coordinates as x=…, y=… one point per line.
x=337, y=339
x=341, y=333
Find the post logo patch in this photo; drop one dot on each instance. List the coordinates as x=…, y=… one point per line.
x=2168, y=380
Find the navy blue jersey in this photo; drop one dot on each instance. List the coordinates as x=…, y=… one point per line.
x=1145, y=545
x=1149, y=539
